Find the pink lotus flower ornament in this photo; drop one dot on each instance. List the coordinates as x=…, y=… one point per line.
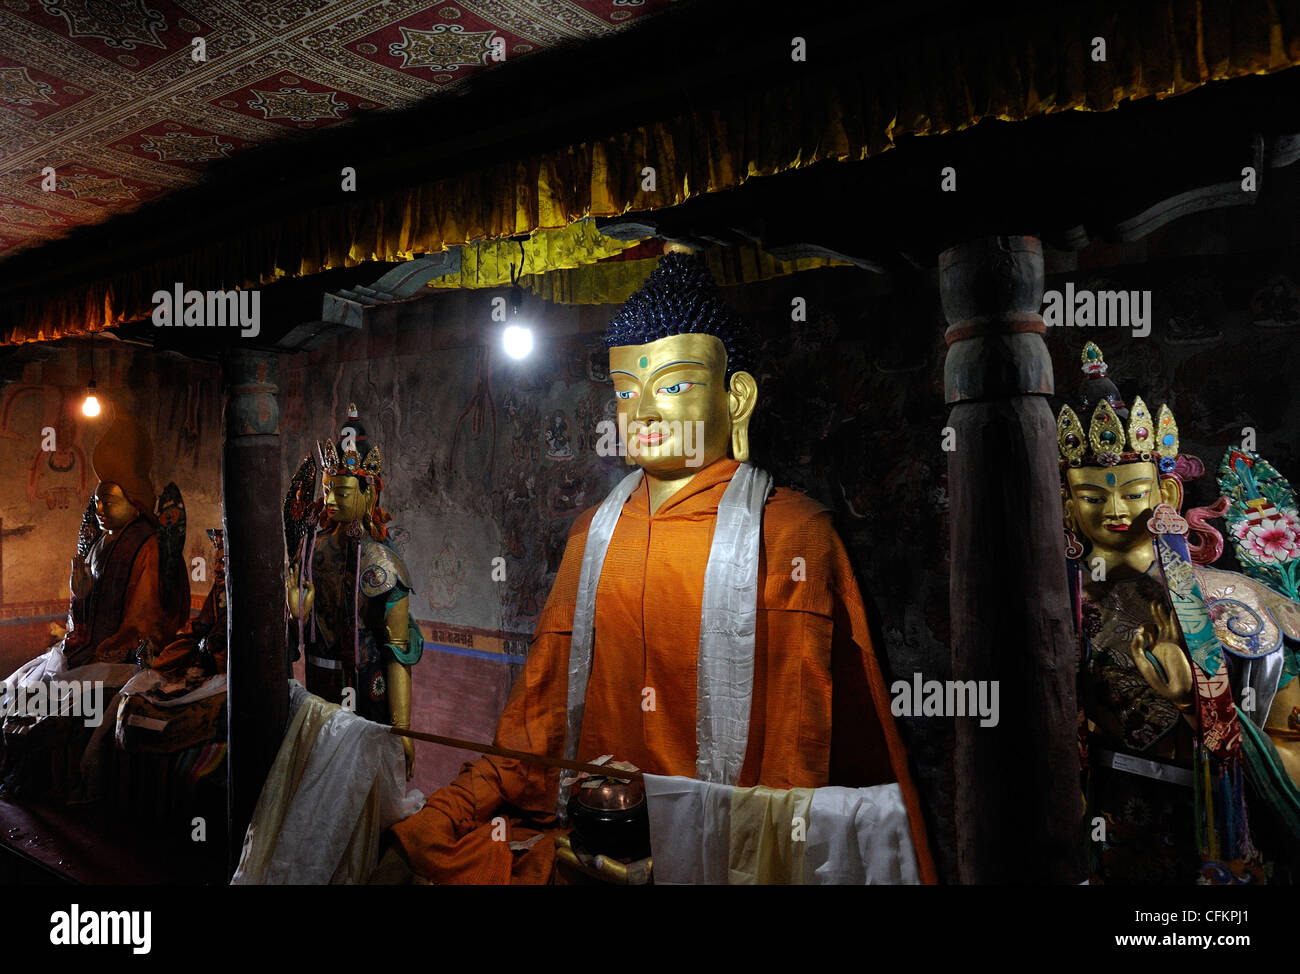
x=1271, y=541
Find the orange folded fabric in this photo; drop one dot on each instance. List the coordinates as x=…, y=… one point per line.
x=820, y=709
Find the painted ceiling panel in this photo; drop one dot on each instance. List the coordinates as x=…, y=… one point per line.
x=115, y=97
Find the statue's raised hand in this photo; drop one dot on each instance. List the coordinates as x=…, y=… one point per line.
x=300, y=595
x=80, y=580
x=1156, y=648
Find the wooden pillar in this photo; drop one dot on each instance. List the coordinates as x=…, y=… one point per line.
x=1018, y=804
x=258, y=692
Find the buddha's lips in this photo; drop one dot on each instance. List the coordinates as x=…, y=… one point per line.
x=651, y=438
x=1117, y=527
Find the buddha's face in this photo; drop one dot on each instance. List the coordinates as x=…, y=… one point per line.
x=112, y=509
x=1110, y=506
x=345, y=499
x=675, y=403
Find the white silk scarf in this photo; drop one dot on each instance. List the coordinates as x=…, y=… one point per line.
x=711, y=834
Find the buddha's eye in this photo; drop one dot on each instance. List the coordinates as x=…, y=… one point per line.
x=1092, y=500
x=1135, y=497
x=625, y=393
x=675, y=388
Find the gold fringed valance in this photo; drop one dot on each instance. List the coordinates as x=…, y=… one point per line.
x=942, y=82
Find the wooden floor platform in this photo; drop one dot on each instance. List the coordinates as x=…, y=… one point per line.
x=50, y=842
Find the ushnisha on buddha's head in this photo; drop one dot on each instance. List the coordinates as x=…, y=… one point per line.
x=1117, y=473
x=679, y=361
x=352, y=482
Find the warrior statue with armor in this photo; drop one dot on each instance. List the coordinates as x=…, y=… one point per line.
x=351, y=605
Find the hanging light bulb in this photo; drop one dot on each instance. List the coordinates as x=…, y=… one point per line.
x=518, y=341
x=90, y=405
x=518, y=337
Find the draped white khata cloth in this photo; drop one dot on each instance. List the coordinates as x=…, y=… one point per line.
x=337, y=782
x=707, y=833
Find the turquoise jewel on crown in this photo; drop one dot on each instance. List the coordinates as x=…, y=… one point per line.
x=1167, y=439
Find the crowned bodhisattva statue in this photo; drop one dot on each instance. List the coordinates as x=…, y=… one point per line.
x=351, y=605
x=1179, y=662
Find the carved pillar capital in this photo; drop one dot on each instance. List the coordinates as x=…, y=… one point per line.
x=992, y=290
x=252, y=385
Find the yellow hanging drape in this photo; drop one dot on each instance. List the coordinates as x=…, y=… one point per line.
x=613, y=282
x=488, y=263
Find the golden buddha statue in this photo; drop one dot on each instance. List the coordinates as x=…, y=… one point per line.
x=1164, y=684
x=354, y=598
x=702, y=624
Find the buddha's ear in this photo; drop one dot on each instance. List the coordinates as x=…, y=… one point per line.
x=742, y=397
x=1171, y=492
x=1067, y=506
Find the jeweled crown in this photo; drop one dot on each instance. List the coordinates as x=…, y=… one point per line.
x=336, y=461
x=1109, y=440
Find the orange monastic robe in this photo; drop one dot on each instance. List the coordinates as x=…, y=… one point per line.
x=820, y=711
x=143, y=614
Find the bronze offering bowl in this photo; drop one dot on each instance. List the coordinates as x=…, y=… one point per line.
x=611, y=819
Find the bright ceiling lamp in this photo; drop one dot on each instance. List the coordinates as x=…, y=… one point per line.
x=90, y=405
x=518, y=341
x=518, y=336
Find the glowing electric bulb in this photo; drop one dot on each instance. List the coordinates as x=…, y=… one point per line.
x=518, y=341
x=90, y=407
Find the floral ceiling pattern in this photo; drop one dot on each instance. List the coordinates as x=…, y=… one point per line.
x=126, y=100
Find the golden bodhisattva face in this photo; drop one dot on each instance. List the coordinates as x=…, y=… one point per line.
x=112, y=509
x=677, y=407
x=345, y=500
x=1110, y=506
